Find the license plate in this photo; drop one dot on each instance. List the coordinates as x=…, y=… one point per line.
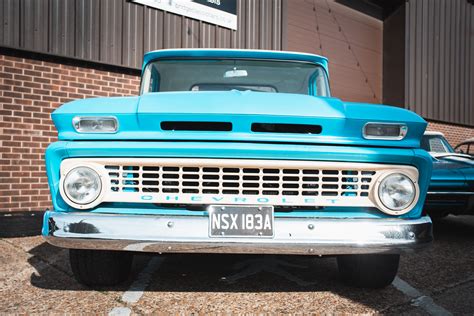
x=240, y=221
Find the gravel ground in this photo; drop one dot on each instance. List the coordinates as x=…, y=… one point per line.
x=36, y=278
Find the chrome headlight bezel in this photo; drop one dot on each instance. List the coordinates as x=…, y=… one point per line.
x=396, y=211
x=75, y=203
x=402, y=131
x=112, y=120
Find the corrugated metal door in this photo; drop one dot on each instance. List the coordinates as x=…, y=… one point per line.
x=439, y=60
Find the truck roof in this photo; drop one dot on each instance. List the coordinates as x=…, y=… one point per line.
x=235, y=53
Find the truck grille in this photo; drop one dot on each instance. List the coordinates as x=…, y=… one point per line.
x=185, y=181
x=214, y=179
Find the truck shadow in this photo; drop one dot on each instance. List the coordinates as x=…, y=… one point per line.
x=194, y=273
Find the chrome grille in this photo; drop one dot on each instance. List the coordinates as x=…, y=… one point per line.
x=186, y=181
x=243, y=181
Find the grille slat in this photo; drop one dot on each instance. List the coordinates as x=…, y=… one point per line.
x=239, y=181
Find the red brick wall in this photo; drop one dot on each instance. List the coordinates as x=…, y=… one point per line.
x=29, y=91
x=454, y=134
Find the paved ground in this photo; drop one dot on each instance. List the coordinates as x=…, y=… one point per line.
x=36, y=277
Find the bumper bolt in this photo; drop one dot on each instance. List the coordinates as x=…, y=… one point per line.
x=170, y=224
x=311, y=226
x=411, y=235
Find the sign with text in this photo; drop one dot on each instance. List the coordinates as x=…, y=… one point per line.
x=219, y=12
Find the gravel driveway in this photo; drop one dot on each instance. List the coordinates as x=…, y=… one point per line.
x=36, y=277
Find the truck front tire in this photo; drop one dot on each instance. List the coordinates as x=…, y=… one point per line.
x=100, y=267
x=368, y=271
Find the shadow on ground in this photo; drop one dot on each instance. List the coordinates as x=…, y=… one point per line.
x=264, y=273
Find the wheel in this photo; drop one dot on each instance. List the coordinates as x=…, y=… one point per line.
x=100, y=267
x=20, y=224
x=437, y=217
x=368, y=271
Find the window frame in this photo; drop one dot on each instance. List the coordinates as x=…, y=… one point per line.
x=312, y=85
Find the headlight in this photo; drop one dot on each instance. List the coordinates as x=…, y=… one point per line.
x=82, y=185
x=397, y=192
x=106, y=124
x=387, y=131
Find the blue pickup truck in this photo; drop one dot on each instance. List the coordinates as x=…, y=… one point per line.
x=236, y=151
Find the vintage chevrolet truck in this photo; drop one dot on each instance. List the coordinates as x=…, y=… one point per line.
x=236, y=151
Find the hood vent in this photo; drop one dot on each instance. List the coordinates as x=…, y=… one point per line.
x=286, y=128
x=196, y=126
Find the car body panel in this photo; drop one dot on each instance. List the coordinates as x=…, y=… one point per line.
x=140, y=118
x=451, y=189
x=233, y=53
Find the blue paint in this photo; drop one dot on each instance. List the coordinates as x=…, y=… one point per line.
x=140, y=117
x=228, y=53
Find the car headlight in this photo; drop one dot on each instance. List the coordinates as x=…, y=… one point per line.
x=82, y=185
x=102, y=124
x=385, y=131
x=397, y=192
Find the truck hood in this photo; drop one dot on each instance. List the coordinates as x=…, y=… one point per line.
x=238, y=116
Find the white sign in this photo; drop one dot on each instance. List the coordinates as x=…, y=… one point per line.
x=220, y=12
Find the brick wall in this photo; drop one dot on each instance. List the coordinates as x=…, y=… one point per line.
x=454, y=134
x=29, y=91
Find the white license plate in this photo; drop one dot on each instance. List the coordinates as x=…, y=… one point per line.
x=240, y=221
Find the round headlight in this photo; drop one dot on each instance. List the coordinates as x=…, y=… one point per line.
x=397, y=192
x=82, y=185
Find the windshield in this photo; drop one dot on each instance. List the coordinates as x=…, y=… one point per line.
x=436, y=144
x=235, y=74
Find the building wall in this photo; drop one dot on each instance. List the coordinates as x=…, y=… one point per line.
x=89, y=48
x=352, y=41
x=119, y=32
x=30, y=90
x=439, y=60
x=454, y=134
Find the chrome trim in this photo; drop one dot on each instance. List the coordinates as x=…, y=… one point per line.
x=403, y=131
x=387, y=210
x=344, y=189
x=77, y=119
x=73, y=201
x=189, y=234
x=454, y=193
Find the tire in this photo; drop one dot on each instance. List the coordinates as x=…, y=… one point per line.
x=100, y=267
x=368, y=271
x=20, y=224
x=437, y=217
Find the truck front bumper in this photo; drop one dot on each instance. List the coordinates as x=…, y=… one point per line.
x=190, y=234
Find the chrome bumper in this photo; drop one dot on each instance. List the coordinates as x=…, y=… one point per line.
x=189, y=234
